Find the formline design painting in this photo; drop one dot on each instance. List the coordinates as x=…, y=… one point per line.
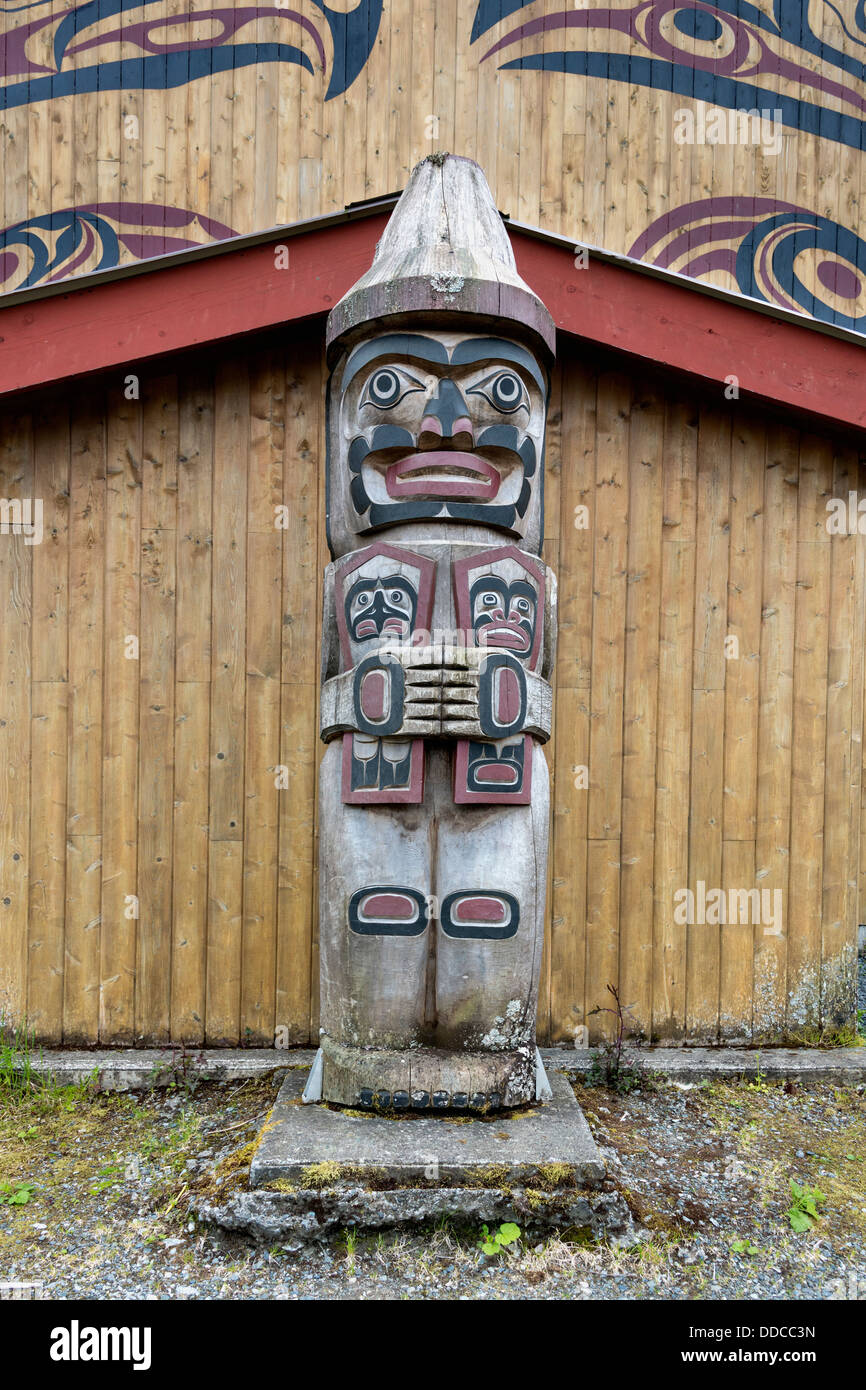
x=774, y=251
x=605, y=123
x=219, y=39
x=729, y=52
x=92, y=237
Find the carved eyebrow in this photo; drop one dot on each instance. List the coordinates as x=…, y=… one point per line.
x=431, y=350
x=480, y=349
x=521, y=588
x=395, y=345
x=488, y=581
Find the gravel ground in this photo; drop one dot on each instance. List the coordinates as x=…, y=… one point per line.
x=99, y=1186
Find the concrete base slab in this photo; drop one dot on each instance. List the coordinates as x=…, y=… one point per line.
x=129, y=1069
x=152, y=1068
x=843, y=1066
x=292, y=1219
x=311, y=1144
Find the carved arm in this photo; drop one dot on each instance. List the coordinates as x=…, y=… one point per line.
x=437, y=692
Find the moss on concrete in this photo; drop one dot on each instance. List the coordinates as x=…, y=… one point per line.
x=557, y=1175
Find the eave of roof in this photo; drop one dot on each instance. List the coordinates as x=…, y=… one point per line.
x=132, y=314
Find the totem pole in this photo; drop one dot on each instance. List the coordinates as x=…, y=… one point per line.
x=438, y=644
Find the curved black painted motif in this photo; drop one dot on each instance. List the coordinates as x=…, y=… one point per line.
x=165, y=65
x=763, y=244
x=743, y=75
x=489, y=708
x=394, y=681
x=479, y=930
x=57, y=244
x=388, y=923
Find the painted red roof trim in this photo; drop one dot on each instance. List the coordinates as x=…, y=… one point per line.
x=665, y=321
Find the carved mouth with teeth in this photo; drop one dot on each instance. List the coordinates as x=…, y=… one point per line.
x=505, y=634
x=368, y=627
x=445, y=473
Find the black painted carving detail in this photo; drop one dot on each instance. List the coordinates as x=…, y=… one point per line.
x=381, y=607
x=477, y=930
x=504, y=615
x=380, y=772
x=488, y=706
x=396, y=919
x=488, y=758
x=393, y=675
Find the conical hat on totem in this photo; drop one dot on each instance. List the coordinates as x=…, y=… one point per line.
x=445, y=253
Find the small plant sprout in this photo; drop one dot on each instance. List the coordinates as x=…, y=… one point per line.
x=803, y=1211
x=760, y=1082
x=182, y=1069
x=15, y=1194
x=745, y=1247
x=493, y=1243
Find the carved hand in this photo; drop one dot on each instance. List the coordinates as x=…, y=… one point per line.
x=441, y=696
x=438, y=691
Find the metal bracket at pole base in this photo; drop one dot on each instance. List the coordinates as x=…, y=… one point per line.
x=313, y=1089
x=542, y=1085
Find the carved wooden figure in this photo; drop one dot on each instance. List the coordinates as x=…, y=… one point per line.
x=438, y=645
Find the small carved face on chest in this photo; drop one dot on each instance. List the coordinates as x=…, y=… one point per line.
x=381, y=608
x=500, y=596
x=438, y=428
x=383, y=596
x=503, y=614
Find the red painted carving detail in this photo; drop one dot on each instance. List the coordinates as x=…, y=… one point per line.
x=375, y=698
x=443, y=474
x=390, y=906
x=506, y=699
x=506, y=776
x=480, y=910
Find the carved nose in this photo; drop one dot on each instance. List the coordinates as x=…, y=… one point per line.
x=446, y=419
x=432, y=436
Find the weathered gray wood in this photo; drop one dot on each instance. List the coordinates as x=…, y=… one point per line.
x=438, y=640
x=445, y=251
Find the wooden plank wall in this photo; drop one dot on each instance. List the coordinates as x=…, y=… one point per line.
x=594, y=154
x=159, y=679
x=703, y=683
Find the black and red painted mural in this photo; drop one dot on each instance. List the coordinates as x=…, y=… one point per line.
x=728, y=52
x=758, y=242
x=799, y=63
x=69, y=240
x=219, y=39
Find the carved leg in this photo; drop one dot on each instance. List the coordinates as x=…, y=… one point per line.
x=373, y=916
x=435, y=1014
x=491, y=880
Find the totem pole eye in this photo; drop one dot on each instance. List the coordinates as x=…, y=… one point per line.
x=507, y=391
x=384, y=387
x=504, y=390
x=363, y=600
x=387, y=386
x=489, y=600
x=396, y=596
x=522, y=605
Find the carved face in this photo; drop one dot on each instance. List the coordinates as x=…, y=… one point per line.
x=500, y=595
x=503, y=615
x=383, y=594
x=381, y=608
x=438, y=428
